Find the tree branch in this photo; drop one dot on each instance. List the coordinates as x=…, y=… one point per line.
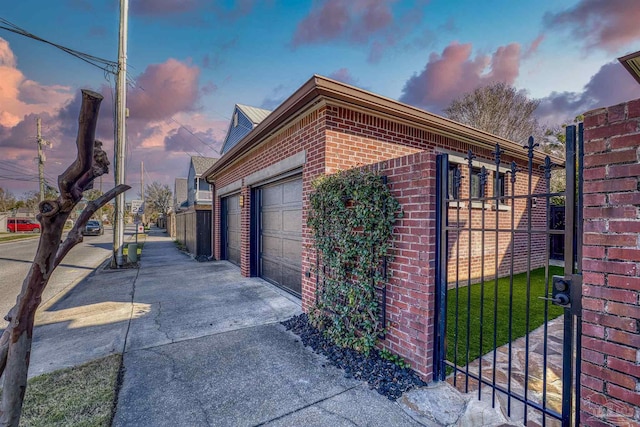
x=75, y=235
x=70, y=182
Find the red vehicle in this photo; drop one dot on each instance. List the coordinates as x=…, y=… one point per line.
x=22, y=224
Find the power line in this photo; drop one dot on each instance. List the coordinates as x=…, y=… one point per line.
x=104, y=64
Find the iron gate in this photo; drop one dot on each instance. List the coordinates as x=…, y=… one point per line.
x=508, y=318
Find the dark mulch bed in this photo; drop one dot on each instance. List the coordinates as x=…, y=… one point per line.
x=382, y=375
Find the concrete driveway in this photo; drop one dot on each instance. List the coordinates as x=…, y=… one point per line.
x=205, y=348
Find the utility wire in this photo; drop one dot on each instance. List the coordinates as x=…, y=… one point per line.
x=104, y=64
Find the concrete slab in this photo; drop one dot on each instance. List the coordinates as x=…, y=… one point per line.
x=87, y=322
x=213, y=298
x=244, y=378
x=357, y=406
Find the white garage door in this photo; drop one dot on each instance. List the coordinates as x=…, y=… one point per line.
x=281, y=234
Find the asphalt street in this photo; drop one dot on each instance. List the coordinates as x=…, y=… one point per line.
x=16, y=258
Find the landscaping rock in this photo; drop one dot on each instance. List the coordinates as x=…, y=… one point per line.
x=384, y=376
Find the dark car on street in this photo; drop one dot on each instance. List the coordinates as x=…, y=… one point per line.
x=93, y=228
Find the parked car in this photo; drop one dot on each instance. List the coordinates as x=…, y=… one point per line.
x=93, y=228
x=22, y=224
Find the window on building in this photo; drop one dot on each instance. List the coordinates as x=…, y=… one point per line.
x=235, y=119
x=500, y=187
x=203, y=185
x=453, y=191
x=475, y=183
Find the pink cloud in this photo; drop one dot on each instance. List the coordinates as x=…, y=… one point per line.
x=164, y=90
x=185, y=139
x=607, y=24
x=171, y=8
x=533, y=47
x=343, y=75
x=163, y=7
x=611, y=85
x=20, y=96
x=454, y=73
x=359, y=22
x=164, y=100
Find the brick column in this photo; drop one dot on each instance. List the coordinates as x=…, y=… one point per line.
x=611, y=265
x=245, y=232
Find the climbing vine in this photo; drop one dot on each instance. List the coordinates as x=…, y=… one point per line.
x=352, y=216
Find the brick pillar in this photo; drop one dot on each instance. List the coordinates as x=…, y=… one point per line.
x=245, y=232
x=611, y=265
x=217, y=201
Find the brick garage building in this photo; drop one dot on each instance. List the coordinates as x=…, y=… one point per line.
x=262, y=186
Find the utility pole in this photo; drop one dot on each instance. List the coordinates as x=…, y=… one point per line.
x=142, y=187
x=121, y=105
x=41, y=156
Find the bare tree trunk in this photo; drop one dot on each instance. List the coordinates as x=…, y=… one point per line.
x=15, y=343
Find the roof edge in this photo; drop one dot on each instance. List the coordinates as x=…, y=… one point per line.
x=323, y=87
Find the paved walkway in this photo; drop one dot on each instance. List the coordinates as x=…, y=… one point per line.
x=204, y=347
x=539, y=382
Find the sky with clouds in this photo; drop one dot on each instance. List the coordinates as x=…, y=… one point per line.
x=190, y=61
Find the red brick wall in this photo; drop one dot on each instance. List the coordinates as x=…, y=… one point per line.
x=410, y=302
x=461, y=254
x=611, y=278
x=411, y=287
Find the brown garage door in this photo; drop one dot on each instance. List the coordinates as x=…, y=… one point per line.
x=281, y=234
x=231, y=217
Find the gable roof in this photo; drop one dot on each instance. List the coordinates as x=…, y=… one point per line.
x=255, y=114
x=201, y=164
x=243, y=120
x=319, y=90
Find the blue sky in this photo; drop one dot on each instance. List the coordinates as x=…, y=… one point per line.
x=190, y=61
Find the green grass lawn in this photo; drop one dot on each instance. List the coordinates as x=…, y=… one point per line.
x=80, y=396
x=472, y=313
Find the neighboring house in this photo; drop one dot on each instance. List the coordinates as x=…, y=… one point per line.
x=243, y=120
x=179, y=204
x=193, y=220
x=199, y=190
x=180, y=190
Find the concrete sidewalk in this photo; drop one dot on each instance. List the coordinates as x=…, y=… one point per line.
x=205, y=348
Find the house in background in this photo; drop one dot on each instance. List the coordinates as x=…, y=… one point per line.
x=180, y=190
x=193, y=212
x=243, y=120
x=179, y=204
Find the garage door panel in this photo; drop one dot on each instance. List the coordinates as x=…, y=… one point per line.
x=291, y=248
x=271, y=246
x=291, y=279
x=271, y=196
x=232, y=237
x=281, y=234
x=292, y=220
x=271, y=270
x=292, y=192
x=271, y=220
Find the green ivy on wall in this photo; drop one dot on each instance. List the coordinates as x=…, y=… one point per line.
x=352, y=217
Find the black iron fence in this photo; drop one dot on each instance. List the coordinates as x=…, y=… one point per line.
x=508, y=316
